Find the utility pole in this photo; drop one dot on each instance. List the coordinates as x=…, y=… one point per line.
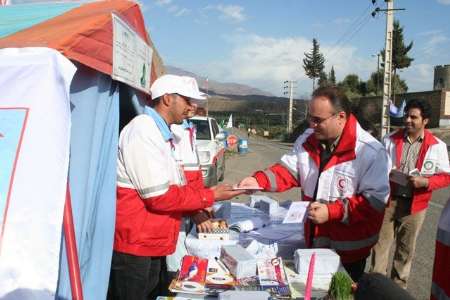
x=387, y=78
x=207, y=96
x=289, y=85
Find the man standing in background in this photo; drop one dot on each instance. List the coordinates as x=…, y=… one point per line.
x=420, y=160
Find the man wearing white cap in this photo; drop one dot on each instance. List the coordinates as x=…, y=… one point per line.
x=152, y=194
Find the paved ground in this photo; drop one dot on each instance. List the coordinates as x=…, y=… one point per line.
x=264, y=153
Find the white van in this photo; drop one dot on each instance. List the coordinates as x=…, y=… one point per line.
x=211, y=149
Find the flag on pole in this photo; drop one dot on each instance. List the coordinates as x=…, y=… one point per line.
x=34, y=159
x=397, y=112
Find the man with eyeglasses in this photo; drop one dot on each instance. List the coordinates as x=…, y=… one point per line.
x=152, y=191
x=343, y=171
x=422, y=158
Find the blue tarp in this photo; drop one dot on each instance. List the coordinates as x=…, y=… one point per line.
x=14, y=18
x=92, y=177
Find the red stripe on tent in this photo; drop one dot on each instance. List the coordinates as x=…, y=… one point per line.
x=71, y=249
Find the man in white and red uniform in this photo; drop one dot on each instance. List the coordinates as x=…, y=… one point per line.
x=152, y=193
x=343, y=171
x=422, y=158
x=440, y=287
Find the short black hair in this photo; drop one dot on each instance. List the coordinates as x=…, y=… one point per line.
x=337, y=98
x=420, y=104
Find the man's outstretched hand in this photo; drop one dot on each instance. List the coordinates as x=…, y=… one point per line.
x=248, y=182
x=225, y=192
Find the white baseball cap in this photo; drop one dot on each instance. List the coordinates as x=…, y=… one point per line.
x=174, y=84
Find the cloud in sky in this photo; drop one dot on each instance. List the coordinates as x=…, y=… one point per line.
x=434, y=40
x=265, y=62
x=174, y=9
x=419, y=77
x=445, y=2
x=233, y=13
x=163, y=2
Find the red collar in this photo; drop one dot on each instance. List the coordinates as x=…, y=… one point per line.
x=345, y=150
x=428, y=140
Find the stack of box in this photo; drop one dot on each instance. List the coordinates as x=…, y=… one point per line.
x=327, y=261
x=239, y=262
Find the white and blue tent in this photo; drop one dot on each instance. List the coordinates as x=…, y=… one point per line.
x=71, y=46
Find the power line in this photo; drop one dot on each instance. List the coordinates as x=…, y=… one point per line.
x=353, y=34
x=356, y=22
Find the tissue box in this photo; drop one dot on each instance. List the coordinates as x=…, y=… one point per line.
x=268, y=205
x=239, y=262
x=327, y=261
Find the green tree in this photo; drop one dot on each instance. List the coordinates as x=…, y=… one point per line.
x=323, y=79
x=332, y=77
x=398, y=84
x=375, y=83
x=351, y=85
x=313, y=63
x=400, y=58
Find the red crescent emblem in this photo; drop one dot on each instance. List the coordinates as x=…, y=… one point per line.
x=341, y=183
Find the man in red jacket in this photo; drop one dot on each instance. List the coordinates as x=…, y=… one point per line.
x=343, y=171
x=420, y=165
x=152, y=192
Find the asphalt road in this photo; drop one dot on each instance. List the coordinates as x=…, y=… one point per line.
x=263, y=153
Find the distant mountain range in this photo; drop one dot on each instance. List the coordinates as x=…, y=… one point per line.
x=219, y=88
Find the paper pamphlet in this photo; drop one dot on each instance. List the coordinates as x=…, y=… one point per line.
x=247, y=188
x=192, y=275
x=296, y=212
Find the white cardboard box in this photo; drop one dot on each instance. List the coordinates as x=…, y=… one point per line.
x=327, y=261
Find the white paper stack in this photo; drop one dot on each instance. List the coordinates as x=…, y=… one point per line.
x=327, y=261
x=240, y=263
x=248, y=295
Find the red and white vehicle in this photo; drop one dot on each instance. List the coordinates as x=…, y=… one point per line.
x=211, y=149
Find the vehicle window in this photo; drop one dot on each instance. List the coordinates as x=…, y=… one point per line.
x=215, y=127
x=202, y=128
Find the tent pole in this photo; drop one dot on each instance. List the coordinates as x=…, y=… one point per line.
x=71, y=249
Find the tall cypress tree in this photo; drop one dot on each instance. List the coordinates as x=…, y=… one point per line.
x=313, y=63
x=332, y=77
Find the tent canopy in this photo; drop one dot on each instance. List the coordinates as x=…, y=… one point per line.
x=82, y=33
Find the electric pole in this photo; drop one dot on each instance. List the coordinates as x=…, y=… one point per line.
x=289, y=85
x=387, y=78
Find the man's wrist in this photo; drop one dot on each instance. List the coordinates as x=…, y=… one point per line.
x=335, y=211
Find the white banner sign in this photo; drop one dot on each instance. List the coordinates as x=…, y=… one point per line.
x=132, y=57
x=34, y=160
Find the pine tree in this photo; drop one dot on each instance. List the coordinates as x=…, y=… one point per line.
x=332, y=77
x=313, y=63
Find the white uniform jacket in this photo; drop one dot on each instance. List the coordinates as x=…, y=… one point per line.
x=354, y=184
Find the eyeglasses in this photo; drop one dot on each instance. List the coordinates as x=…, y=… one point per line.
x=318, y=120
